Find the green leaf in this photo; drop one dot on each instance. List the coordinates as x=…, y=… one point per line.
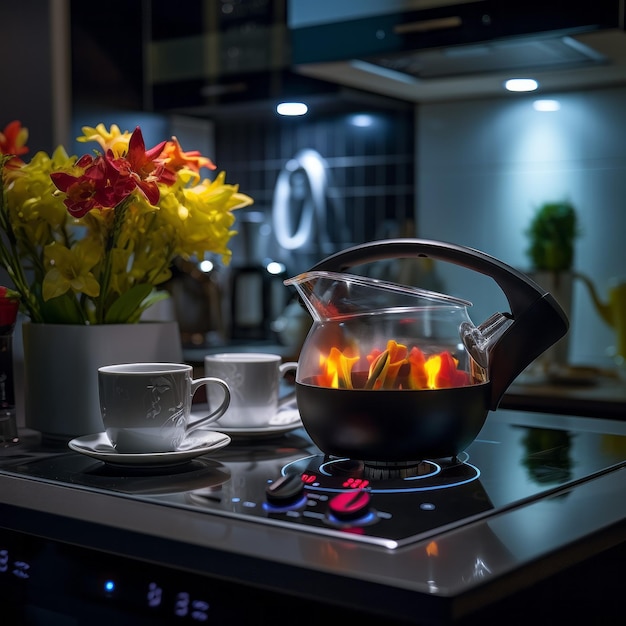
x=124, y=309
x=153, y=298
x=63, y=309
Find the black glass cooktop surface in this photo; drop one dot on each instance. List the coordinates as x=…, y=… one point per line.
x=286, y=481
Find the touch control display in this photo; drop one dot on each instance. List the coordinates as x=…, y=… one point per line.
x=45, y=582
x=41, y=580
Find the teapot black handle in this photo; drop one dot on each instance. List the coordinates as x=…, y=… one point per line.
x=538, y=320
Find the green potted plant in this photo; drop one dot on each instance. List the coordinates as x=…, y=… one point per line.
x=552, y=233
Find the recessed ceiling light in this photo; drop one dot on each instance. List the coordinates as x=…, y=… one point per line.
x=292, y=108
x=521, y=84
x=274, y=267
x=361, y=119
x=546, y=105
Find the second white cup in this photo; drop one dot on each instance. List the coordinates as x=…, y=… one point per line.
x=254, y=381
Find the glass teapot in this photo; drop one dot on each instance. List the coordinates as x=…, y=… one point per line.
x=390, y=372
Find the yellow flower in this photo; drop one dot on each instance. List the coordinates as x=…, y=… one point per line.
x=201, y=216
x=32, y=205
x=70, y=269
x=113, y=139
x=101, y=233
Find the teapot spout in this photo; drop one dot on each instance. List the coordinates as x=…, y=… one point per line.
x=604, y=309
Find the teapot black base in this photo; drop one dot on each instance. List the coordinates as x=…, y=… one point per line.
x=393, y=424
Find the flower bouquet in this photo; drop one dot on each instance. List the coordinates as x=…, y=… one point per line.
x=88, y=240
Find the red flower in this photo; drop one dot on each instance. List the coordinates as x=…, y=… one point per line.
x=13, y=138
x=175, y=158
x=107, y=180
x=143, y=166
x=13, y=141
x=87, y=191
x=9, y=305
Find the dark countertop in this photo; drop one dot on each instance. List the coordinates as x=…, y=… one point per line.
x=548, y=561
x=586, y=392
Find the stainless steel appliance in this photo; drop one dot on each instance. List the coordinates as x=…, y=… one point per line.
x=269, y=531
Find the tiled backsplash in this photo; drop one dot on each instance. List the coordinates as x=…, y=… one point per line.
x=371, y=168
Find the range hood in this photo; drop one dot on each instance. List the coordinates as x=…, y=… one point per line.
x=438, y=50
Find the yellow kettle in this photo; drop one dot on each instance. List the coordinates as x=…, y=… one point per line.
x=612, y=312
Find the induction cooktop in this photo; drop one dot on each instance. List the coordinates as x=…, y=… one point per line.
x=286, y=481
x=316, y=537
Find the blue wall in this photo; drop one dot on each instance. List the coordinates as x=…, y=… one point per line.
x=483, y=167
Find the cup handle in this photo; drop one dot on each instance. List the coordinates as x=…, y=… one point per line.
x=283, y=369
x=217, y=413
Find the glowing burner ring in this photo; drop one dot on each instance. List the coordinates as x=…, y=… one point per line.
x=339, y=474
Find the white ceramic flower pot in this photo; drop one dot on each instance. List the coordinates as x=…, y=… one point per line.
x=61, y=364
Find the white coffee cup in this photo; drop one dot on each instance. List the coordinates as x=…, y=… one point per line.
x=145, y=407
x=254, y=380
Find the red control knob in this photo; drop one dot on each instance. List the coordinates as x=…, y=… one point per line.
x=350, y=505
x=285, y=490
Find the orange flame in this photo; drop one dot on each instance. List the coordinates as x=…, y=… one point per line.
x=396, y=367
x=432, y=549
x=336, y=369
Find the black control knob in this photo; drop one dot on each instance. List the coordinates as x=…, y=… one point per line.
x=285, y=490
x=349, y=506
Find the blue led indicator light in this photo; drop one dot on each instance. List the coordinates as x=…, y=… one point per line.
x=109, y=586
x=155, y=595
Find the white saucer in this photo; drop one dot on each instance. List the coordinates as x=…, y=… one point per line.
x=196, y=444
x=283, y=422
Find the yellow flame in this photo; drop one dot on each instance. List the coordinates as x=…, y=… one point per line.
x=394, y=368
x=432, y=367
